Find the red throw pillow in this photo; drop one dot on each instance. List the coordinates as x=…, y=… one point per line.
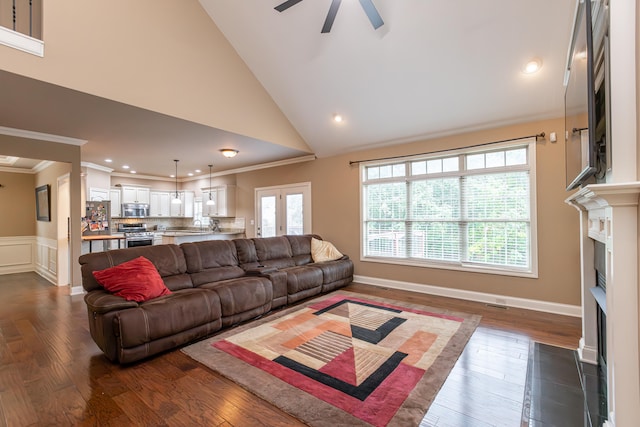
x=135, y=280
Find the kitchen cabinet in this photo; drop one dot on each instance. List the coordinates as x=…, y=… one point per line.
x=157, y=238
x=132, y=194
x=116, y=204
x=159, y=203
x=98, y=194
x=224, y=197
x=184, y=209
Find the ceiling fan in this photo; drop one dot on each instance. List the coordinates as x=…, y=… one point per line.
x=367, y=5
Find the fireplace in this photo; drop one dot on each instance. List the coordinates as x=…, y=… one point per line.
x=609, y=236
x=600, y=295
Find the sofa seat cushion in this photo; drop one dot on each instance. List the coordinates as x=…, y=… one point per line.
x=333, y=271
x=243, y=294
x=303, y=277
x=167, y=315
x=242, y=299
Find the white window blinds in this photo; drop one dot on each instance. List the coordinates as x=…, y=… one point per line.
x=471, y=209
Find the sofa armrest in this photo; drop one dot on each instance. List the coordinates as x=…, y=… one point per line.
x=100, y=301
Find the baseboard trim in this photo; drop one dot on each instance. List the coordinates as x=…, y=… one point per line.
x=46, y=275
x=587, y=353
x=76, y=290
x=529, y=304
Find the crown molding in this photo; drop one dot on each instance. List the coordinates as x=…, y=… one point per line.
x=21, y=133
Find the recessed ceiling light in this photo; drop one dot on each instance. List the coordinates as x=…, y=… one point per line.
x=532, y=66
x=198, y=171
x=125, y=166
x=133, y=172
x=190, y=174
x=338, y=118
x=108, y=160
x=172, y=176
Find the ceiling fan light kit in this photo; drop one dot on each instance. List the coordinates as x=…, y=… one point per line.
x=367, y=5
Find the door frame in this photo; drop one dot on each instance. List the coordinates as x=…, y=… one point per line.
x=63, y=264
x=280, y=191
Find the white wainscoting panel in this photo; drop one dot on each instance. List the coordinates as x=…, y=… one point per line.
x=17, y=254
x=46, y=258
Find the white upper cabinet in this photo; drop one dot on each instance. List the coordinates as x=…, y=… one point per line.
x=116, y=207
x=224, y=198
x=135, y=194
x=159, y=204
x=98, y=194
x=184, y=209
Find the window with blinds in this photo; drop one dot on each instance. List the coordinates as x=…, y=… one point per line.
x=464, y=209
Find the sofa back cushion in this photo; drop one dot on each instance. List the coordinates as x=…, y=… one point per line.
x=274, y=252
x=301, y=248
x=211, y=261
x=246, y=250
x=168, y=259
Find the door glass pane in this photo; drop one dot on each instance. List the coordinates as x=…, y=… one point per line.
x=268, y=215
x=295, y=216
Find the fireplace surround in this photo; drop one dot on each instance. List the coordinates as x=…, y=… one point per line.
x=609, y=226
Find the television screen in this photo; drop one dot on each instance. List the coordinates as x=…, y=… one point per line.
x=580, y=150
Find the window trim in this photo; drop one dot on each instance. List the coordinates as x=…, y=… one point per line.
x=529, y=143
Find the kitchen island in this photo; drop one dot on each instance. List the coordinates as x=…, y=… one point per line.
x=178, y=237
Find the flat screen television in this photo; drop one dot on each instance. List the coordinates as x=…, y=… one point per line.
x=585, y=103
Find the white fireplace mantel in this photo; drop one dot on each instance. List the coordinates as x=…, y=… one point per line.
x=609, y=214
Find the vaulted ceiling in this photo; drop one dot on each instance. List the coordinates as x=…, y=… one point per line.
x=433, y=68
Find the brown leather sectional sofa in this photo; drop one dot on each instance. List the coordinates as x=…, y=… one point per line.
x=214, y=284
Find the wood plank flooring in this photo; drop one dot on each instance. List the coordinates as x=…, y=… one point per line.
x=52, y=373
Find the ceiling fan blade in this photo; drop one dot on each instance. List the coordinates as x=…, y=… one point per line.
x=372, y=13
x=331, y=16
x=286, y=5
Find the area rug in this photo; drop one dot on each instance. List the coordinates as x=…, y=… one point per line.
x=343, y=359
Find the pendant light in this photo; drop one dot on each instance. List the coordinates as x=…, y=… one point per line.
x=176, y=200
x=210, y=202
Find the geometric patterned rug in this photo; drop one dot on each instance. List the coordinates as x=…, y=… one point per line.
x=343, y=359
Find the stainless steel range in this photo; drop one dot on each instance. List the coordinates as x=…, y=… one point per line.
x=136, y=235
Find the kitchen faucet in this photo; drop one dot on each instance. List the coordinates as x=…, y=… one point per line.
x=199, y=223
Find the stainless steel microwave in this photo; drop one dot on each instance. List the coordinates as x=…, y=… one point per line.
x=135, y=210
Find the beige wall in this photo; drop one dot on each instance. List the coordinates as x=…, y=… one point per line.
x=17, y=198
x=165, y=56
x=335, y=206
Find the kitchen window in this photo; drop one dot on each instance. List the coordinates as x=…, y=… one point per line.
x=470, y=209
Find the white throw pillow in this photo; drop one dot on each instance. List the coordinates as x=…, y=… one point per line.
x=322, y=250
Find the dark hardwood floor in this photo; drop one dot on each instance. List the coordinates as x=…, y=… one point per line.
x=52, y=373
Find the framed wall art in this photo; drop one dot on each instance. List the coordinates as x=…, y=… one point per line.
x=43, y=203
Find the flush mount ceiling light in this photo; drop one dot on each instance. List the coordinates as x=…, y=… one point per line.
x=210, y=202
x=532, y=66
x=229, y=152
x=176, y=200
x=367, y=6
x=338, y=118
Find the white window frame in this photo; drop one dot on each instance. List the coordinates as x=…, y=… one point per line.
x=531, y=272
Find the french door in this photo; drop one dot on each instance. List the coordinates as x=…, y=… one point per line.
x=283, y=210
